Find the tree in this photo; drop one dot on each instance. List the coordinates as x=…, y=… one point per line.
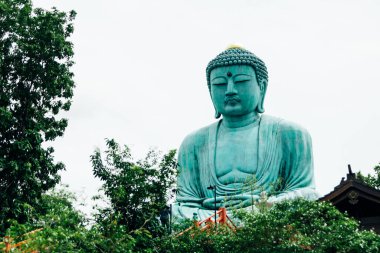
x=371, y=180
x=137, y=191
x=35, y=85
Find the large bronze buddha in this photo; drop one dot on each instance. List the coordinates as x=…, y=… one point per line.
x=245, y=152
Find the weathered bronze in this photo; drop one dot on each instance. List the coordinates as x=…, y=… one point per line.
x=245, y=152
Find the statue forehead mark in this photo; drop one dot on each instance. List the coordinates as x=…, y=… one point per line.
x=229, y=74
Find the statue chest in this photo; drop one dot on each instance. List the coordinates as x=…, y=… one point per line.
x=236, y=154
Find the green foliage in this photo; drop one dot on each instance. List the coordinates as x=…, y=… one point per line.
x=136, y=191
x=63, y=227
x=35, y=85
x=290, y=226
x=371, y=180
x=110, y=236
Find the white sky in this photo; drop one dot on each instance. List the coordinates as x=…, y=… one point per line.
x=140, y=75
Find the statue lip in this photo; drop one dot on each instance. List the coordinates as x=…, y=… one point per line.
x=232, y=99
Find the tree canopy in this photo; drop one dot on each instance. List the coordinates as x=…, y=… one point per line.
x=137, y=190
x=35, y=85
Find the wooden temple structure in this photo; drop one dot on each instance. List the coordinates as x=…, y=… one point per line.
x=358, y=199
x=220, y=217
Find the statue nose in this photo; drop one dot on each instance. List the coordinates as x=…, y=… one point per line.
x=230, y=88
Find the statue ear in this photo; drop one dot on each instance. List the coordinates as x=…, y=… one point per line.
x=217, y=114
x=263, y=89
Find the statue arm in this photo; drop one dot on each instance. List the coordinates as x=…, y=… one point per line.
x=189, y=192
x=297, y=170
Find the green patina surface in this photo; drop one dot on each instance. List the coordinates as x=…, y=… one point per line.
x=246, y=152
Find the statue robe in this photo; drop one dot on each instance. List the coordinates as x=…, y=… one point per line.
x=284, y=152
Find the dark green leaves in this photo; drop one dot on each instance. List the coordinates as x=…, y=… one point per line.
x=35, y=85
x=372, y=180
x=137, y=190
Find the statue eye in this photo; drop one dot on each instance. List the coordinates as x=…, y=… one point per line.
x=219, y=81
x=242, y=80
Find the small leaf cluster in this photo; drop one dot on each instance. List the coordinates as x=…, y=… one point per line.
x=372, y=180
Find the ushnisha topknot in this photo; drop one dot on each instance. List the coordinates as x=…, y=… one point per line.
x=236, y=55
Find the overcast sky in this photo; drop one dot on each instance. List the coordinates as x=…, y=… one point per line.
x=140, y=75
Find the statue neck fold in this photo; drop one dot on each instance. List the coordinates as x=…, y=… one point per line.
x=240, y=121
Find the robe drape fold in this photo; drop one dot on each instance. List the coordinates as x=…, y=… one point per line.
x=284, y=159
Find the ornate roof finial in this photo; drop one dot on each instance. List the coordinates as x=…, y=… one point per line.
x=234, y=45
x=349, y=169
x=350, y=174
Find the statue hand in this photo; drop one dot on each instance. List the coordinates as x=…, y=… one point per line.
x=210, y=203
x=237, y=201
x=241, y=201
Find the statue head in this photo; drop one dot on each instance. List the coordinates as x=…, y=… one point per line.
x=237, y=81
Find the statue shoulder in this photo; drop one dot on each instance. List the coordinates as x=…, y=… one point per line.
x=285, y=127
x=198, y=138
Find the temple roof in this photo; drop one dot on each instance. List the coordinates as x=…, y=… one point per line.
x=356, y=198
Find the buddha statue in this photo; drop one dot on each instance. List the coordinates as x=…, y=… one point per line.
x=245, y=153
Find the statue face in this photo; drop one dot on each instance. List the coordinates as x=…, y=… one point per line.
x=235, y=90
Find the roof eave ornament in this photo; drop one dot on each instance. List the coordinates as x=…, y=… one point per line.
x=350, y=175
